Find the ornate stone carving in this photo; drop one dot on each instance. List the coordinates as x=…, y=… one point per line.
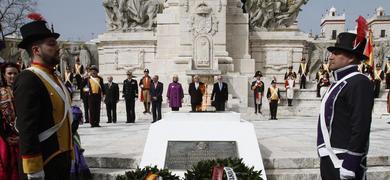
x=204, y=26
x=272, y=14
x=132, y=15
x=204, y=21
x=203, y=51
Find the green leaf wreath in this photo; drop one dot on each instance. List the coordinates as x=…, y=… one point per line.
x=204, y=170
x=142, y=173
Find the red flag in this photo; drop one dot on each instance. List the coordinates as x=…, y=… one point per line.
x=369, y=51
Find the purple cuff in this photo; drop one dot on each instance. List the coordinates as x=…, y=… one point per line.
x=352, y=161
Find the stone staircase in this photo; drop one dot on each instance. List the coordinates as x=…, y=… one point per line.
x=105, y=168
x=305, y=103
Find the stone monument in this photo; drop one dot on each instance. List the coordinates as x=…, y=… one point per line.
x=202, y=37
x=180, y=140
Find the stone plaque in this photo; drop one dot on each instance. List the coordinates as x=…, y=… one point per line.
x=182, y=155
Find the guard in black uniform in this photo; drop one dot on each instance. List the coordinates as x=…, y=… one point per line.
x=345, y=117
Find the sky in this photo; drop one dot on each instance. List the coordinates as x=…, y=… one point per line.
x=85, y=19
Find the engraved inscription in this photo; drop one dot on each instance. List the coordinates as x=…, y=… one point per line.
x=182, y=155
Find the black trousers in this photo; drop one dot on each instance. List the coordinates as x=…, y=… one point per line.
x=387, y=81
x=57, y=168
x=258, y=108
x=79, y=80
x=175, y=108
x=329, y=172
x=289, y=102
x=377, y=88
x=318, y=90
x=111, y=111
x=303, y=82
x=273, y=106
x=220, y=106
x=156, y=110
x=130, y=110
x=86, y=109
x=94, y=103
x=193, y=107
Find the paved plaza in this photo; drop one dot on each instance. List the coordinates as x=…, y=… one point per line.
x=288, y=146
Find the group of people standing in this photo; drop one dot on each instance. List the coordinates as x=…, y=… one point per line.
x=151, y=94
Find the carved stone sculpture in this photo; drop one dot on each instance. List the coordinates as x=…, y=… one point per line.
x=272, y=14
x=132, y=15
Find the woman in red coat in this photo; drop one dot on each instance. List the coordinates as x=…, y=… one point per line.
x=9, y=141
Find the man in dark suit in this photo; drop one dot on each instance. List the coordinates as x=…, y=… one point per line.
x=95, y=92
x=130, y=94
x=111, y=99
x=220, y=94
x=196, y=90
x=43, y=105
x=156, y=91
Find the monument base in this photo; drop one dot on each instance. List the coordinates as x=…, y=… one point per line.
x=202, y=129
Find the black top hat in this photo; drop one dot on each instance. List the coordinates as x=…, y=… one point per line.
x=93, y=67
x=346, y=42
x=258, y=73
x=146, y=70
x=34, y=31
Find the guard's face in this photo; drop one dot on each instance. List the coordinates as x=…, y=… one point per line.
x=10, y=74
x=93, y=73
x=339, y=59
x=48, y=51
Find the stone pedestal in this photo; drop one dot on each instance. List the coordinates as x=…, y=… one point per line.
x=120, y=52
x=275, y=51
x=223, y=127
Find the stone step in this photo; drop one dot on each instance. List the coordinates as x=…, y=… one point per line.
x=377, y=172
x=269, y=163
x=106, y=174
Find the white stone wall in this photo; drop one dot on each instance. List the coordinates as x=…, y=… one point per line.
x=328, y=27
x=378, y=26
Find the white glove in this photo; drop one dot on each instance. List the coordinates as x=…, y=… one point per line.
x=346, y=174
x=135, y=99
x=40, y=175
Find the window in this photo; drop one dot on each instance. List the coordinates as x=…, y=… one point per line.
x=381, y=14
x=383, y=33
x=334, y=34
x=333, y=14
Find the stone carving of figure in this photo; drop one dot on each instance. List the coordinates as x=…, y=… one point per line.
x=110, y=7
x=85, y=57
x=127, y=15
x=271, y=14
